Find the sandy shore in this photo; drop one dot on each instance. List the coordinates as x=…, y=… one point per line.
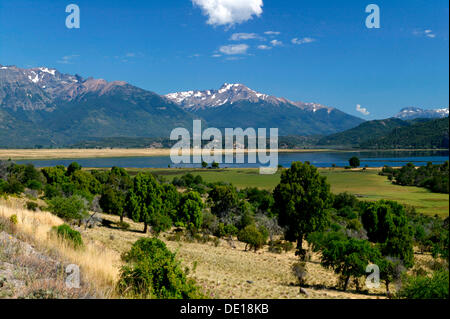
x=24, y=154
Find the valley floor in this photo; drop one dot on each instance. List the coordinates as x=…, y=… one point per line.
x=30, y=154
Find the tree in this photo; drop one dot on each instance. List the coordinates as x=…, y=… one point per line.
x=144, y=202
x=386, y=223
x=215, y=165
x=204, y=164
x=391, y=270
x=349, y=257
x=354, y=162
x=190, y=210
x=72, y=168
x=223, y=200
x=74, y=207
x=302, y=200
x=253, y=236
x=114, y=193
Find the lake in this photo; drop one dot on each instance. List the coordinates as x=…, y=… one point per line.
x=319, y=159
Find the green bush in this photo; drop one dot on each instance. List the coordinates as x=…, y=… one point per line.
x=13, y=219
x=152, y=271
x=32, y=206
x=424, y=287
x=253, y=236
x=74, y=207
x=66, y=233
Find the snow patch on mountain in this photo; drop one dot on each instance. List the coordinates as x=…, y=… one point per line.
x=410, y=113
x=231, y=93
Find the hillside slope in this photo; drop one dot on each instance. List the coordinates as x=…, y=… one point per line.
x=422, y=134
x=363, y=132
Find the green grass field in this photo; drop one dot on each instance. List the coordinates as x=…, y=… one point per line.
x=367, y=185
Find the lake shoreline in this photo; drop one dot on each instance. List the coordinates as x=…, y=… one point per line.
x=54, y=154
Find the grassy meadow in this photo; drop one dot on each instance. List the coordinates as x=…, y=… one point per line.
x=366, y=184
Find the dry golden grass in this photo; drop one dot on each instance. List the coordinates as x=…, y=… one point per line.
x=222, y=272
x=225, y=272
x=99, y=265
x=21, y=154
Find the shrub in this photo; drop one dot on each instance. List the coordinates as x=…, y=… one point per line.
x=32, y=206
x=253, y=237
x=424, y=287
x=278, y=246
x=123, y=225
x=153, y=272
x=74, y=207
x=66, y=233
x=13, y=219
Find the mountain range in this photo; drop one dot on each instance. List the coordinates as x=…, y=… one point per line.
x=411, y=113
x=41, y=106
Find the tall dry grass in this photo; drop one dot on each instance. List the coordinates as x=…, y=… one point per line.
x=99, y=265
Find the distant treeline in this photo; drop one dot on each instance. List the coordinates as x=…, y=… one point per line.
x=432, y=177
x=393, y=134
x=284, y=142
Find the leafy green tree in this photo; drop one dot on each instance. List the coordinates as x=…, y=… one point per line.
x=302, y=200
x=391, y=270
x=85, y=182
x=253, y=237
x=349, y=257
x=171, y=200
x=72, y=168
x=152, y=271
x=190, y=210
x=223, y=200
x=115, y=190
x=144, y=202
x=55, y=175
x=204, y=164
x=386, y=223
x=425, y=287
x=215, y=165
x=74, y=207
x=354, y=162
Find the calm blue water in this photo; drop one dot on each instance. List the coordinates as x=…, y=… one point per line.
x=323, y=159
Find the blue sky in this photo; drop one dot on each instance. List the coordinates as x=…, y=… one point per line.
x=174, y=45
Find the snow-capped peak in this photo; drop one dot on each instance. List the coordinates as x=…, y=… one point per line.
x=230, y=93
x=410, y=113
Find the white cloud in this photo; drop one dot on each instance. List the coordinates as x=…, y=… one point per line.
x=244, y=36
x=302, y=41
x=216, y=55
x=234, y=49
x=264, y=47
x=276, y=43
x=272, y=33
x=362, y=110
x=68, y=59
x=130, y=55
x=229, y=12
x=426, y=33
